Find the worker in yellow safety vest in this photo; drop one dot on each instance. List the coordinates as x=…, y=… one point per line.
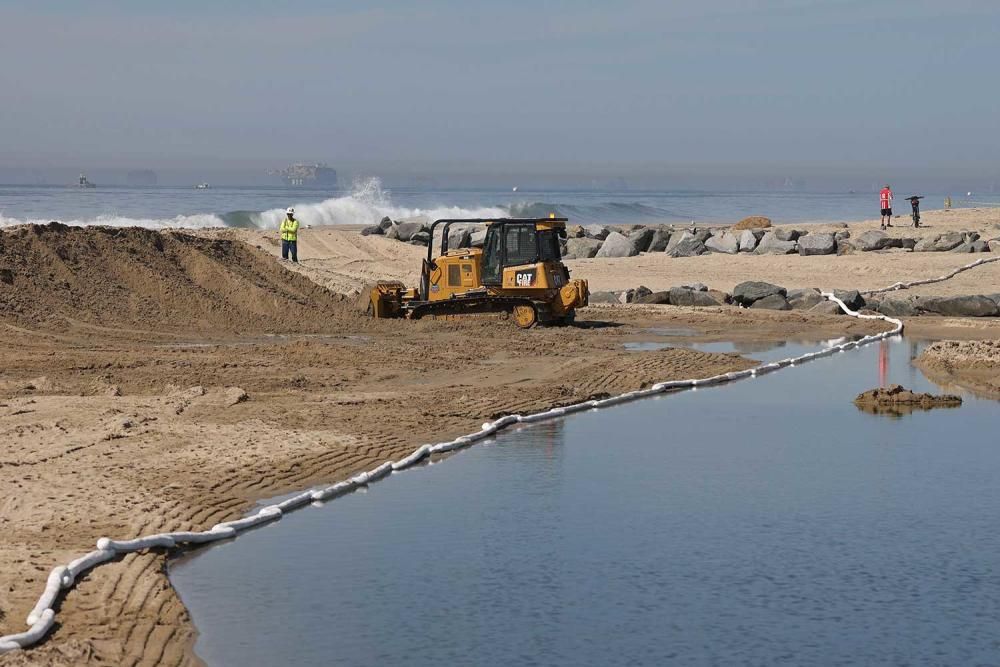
x=290, y=235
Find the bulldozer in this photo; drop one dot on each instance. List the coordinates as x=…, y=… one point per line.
x=518, y=270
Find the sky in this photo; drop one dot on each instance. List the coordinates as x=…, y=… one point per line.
x=560, y=85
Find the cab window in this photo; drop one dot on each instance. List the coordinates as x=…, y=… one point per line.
x=548, y=246
x=521, y=245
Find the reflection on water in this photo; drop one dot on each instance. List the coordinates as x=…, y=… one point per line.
x=766, y=522
x=763, y=351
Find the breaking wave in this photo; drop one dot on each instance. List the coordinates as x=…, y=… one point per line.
x=369, y=202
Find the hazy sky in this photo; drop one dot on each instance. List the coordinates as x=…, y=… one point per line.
x=744, y=81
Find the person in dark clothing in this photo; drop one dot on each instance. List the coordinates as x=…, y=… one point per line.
x=915, y=205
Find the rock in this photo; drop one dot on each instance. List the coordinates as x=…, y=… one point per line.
x=804, y=299
x=772, y=302
x=752, y=222
x=575, y=231
x=724, y=242
x=963, y=248
x=746, y=293
x=392, y=232
x=661, y=237
x=720, y=296
x=897, y=400
x=826, y=308
x=980, y=245
x=459, y=236
x=851, y=298
x=771, y=245
x=373, y=230
x=697, y=287
x=629, y=228
x=420, y=238
x=582, y=248
x=234, y=395
x=894, y=307
x=907, y=243
x=959, y=306
x=641, y=238
x=748, y=240
x=689, y=248
x=385, y=223
x=662, y=297
x=617, y=245
x=785, y=234
x=405, y=231
x=842, y=234
x=845, y=247
x=678, y=237
x=993, y=245
x=640, y=292
x=605, y=297
x=682, y=296
x=940, y=242
x=702, y=234
x=817, y=244
x=871, y=240
x=596, y=231
x=477, y=238
x=839, y=225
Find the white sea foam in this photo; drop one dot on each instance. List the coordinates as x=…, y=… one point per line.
x=366, y=205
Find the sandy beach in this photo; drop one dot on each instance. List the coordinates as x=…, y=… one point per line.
x=167, y=381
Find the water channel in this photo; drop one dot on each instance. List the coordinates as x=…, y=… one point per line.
x=765, y=522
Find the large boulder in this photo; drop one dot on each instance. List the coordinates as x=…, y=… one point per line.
x=959, y=306
x=575, y=231
x=871, y=240
x=842, y=234
x=894, y=307
x=804, y=299
x=459, y=236
x=582, y=248
x=785, y=234
x=420, y=238
x=752, y=222
x=818, y=243
x=641, y=238
x=827, y=308
x=748, y=240
x=477, y=238
x=683, y=296
x=852, y=298
x=677, y=238
x=940, y=242
x=373, y=230
x=702, y=234
x=662, y=297
x=604, y=297
x=689, y=248
x=771, y=245
x=746, y=293
x=661, y=237
x=772, y=302
x=596, y=231
x=405, y=231
x=617, y=245
x=724, y=242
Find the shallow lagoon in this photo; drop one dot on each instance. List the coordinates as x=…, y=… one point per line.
x=766, y=522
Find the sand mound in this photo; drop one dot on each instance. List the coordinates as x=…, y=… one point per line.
x=753, y=222
x=896, y=401
x=139, y=278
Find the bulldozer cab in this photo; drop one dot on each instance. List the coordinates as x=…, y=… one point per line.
x=511, y=243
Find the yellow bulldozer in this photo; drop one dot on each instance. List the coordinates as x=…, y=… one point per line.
x=518, y=270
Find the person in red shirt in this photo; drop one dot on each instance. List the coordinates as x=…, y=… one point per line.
x=885, y=199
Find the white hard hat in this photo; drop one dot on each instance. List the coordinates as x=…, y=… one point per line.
x=289, y=210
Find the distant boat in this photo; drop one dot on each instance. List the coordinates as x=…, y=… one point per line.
x=82, y=182
x=514, y=189
x=202, y=186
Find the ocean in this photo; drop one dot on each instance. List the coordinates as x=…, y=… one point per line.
x=368, y=201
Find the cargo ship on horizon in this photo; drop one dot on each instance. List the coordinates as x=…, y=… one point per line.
x=301, y=175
